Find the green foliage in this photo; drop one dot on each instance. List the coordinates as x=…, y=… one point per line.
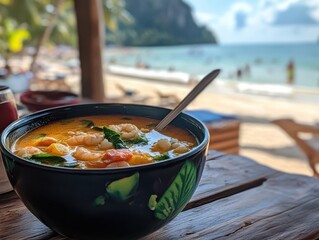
x=114, y=12
x=12, y=36
x=16, y=20
x=33, y=16
x=128, y=22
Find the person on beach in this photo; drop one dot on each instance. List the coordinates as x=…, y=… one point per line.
x=8, y=71
x=239, y=73
x=139, y=63
x=290, y=72
x=246, y=70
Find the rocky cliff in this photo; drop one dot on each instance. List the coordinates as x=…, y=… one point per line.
x=164, y=22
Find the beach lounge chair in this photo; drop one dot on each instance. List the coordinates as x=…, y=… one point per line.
x=127, y=96
x=56, y=82
x=167, y=99
x=310, y=147
x=126, y=92
x=224, y=130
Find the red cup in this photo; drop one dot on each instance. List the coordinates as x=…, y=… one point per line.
x=8, y=114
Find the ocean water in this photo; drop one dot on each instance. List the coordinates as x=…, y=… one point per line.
x=257, y=63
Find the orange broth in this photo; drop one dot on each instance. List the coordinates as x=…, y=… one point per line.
x=55, y=139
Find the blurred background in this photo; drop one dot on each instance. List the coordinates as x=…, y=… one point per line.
x=156, y=50
x=256, y=41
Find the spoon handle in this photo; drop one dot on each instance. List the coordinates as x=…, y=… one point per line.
x=189, y=98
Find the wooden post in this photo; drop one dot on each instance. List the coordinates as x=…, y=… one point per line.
x=91, y=42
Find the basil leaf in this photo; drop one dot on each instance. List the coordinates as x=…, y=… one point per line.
x=163, y=156
x=71, y=164
x=41, y=135
x=87, y=123
x=114, y=138
x=90, y=124
x=142, y=139
x=97, y=128
x=47, y=158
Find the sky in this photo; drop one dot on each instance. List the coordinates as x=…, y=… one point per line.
x=259, y=21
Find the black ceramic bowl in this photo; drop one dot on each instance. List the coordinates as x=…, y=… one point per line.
x=120, y=203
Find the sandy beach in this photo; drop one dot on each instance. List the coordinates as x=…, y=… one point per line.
x=259, y=138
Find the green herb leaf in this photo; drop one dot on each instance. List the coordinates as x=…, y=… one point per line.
x=163, y=156
x=41, y=135
x=87, y=123
x=114, y=138
x=142, y=139
x=71, y=164
x=47, y=158
x=90, y=124
x=97, y=129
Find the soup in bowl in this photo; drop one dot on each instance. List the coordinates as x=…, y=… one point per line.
x=99, y=171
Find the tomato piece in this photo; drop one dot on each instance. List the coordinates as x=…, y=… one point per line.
x=117, y=155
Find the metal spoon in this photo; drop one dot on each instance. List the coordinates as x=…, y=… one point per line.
x=188, y=99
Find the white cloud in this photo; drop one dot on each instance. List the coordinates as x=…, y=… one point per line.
x=314, y=5
x=267, y=10
x=228, y=19
x=284, y=5
x=204, y=18
x=259, y=19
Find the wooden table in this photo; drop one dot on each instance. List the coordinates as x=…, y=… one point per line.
x=237, y=198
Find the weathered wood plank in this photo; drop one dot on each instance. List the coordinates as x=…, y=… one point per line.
x=212, y=155
x=17, y=222
x=297, y=224
x=228, y=175
x=285, y=206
